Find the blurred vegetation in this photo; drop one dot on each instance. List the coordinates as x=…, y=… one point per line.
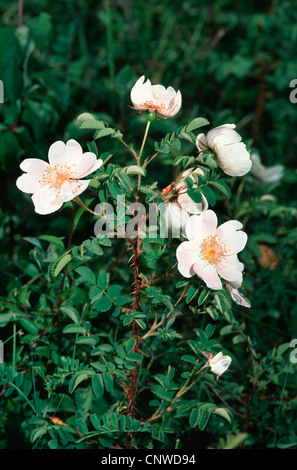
x=233, y=62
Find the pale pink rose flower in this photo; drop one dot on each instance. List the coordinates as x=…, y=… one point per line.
x=147, y=97
x=265, y=174
x=219, y=364
x=211, y=251
x=232, y=154
x=236, y=296
x=58, y=181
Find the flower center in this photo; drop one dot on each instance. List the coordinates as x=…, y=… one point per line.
x=57, y=175
x=151, y=105
x=213, y=250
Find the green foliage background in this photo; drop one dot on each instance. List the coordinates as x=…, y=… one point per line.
x=232, y=63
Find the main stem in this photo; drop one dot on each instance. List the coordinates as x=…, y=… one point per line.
x=136, y=246
x=20, y=13
x=136, y=304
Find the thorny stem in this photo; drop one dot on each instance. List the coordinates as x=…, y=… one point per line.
x=136, y=244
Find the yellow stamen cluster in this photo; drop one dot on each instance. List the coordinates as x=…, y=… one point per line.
x=213, y=250
x=57, y=175
x=151, y=105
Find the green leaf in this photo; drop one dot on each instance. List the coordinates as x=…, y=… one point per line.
x=86, y=340
x=103, y=280
x=195, y=194
x=86, y=273
x=76, y=380
x=238, y=339
x=224, y=414
x=190, y=359
x=81, y=426
x=103, y=132
x=95, y=420
x=114, y=291
x=117, y=135
x=58, y=266
x=188, y=136
x=95, y=294
x=203, y=296
x=194, y=416
x=71, y=313
x=222, y=187
x=196, y=123
x=97, y=385
x=282, y=348
x=130, y=345
x=52, y=239
x=203, y=419
x=85, y=117
x=134, y=170
x=103, y=304
x=29, y=326
x=192, y=292
x=92, y=124
x=72, y=328
x=209, y=194
x=108, y=381
x=38, y=433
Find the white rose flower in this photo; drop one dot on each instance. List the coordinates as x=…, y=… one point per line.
x=211, y=251
x=219, y=364
x=264, y=174
x=166, y=102
x=61, y=180
x=232, y=154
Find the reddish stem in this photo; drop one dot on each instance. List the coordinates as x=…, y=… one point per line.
x=132, y=390
x=20, y=19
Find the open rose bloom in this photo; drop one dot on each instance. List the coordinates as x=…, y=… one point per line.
x=166, y=102
x=58, y=181
x=211, y=251
x=232, y=154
